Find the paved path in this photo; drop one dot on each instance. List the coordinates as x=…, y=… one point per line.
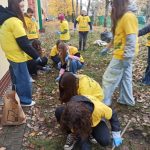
x=11, y=137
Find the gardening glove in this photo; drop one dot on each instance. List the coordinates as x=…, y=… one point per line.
x=117, y=140
x=58, y=32
x=104, y=51
x=127, y=62
x=75, y=29
x=38, y=60
x=57, y=79
x=91, y=31
x=67, y=58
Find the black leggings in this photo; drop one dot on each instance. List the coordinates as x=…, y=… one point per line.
x=33, y=67
x=100, y=132
x=82, y=39
x=146, y=78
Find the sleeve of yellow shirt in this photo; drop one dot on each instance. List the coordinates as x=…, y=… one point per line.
x=74, y=50
x=107, y=111
x=17, y=28
x=65, y=25
x=130, y=24
x=88, y=19
x=78, y=18
x=53, y=51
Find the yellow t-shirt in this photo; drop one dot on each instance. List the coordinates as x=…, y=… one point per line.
x=100, y=110
x=128, y=24
x=148, y=40
x=64, y=26
x=32, y=28
x=88, y=86
x=73, y=50
x=83, y=23
x=11, y=29
x=54, y=51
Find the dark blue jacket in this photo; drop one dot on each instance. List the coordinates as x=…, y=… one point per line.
x=145, y=30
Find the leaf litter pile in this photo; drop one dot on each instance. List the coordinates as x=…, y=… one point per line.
x=43, y=132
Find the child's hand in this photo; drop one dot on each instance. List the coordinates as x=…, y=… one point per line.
x=57, y=79
x=58, y=32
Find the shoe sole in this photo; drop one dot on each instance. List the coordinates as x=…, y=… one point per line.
x=69, y=148
x=23, y=105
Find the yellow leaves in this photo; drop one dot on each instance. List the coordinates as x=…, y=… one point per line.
x=60, y=6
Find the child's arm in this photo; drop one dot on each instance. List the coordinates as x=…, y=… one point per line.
x=116, y=131
x=144, y=31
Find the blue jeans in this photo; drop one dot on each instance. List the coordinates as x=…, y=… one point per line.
x=146, y=78
x=55, y=59
x=21, y=81
x=114, y=76
x=75, y=65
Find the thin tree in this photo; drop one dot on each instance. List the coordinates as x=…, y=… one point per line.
x=107, y=2
x=73, y=11
x=88, y=7
x=77, y=5
x=80, y=6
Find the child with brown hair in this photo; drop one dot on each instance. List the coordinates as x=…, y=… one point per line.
x=33, y=67
x=70, y=58
x=85, y=115
x=71, y=85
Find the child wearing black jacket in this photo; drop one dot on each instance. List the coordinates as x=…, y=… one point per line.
x=33, y=67
x=144, y=31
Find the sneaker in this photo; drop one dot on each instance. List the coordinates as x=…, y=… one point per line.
x=70, y=142
x=46, y=69
x=28, y=105
x=92, y=140
x=31, y=79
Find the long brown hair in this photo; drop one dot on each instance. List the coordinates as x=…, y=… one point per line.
x=13, y=5
x=77, y=117
x=68, y=86
x=119, y=8
x=62, y=48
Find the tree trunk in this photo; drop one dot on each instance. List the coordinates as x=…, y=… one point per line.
x=148, y=11
x=77, y=5
x=73, y=11
x=88, y=8
x=80, y=6
x=106, y=13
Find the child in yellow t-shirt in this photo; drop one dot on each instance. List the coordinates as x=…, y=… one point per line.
x=54, y=53
x=84, y=22
x=71, y=85
x=70, y=59
x=125, y=45
x=32, y=27
x=64, y=28
x=84, y=117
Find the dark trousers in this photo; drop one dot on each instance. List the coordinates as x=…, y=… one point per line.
x=100, y=132
x=82, y=39
x=146, y=78
x=55, y=59
x=33, y=67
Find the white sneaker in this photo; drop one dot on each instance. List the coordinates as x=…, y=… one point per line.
x=92, y=140
x=70, y=142
x=32, y=80
x=28, y=105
